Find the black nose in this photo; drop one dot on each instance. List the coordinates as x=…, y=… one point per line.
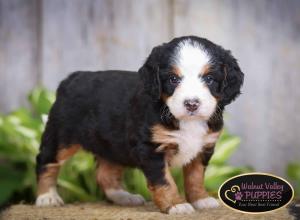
x=191, y=104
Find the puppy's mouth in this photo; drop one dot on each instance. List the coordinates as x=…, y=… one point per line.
x=189, y=113
x=193, y=115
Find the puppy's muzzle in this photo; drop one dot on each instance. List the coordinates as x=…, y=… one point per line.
x=191, y=104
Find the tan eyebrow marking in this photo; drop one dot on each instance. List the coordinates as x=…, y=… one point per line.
x=176, y=71
x=205, y=70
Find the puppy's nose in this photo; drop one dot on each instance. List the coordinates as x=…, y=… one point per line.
x=191, y=104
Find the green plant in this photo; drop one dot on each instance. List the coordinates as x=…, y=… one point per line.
x=20, y=133
x=293, y=172
x=219, y=170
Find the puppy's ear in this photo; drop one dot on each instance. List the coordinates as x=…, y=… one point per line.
x=233, y=79
x=149, y=74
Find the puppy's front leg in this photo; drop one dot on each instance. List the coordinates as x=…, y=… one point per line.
x=164, y=191
x=194, y=180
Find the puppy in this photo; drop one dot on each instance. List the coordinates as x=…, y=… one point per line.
x=169, y=113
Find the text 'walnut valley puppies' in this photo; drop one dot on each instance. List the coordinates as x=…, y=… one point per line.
x=169, y=114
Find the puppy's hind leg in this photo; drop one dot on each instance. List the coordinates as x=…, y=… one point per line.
x=47, y=176
x=49, y=160
x=109, y=177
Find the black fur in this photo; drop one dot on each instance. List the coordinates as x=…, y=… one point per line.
x=206, y=154
x=110, y=113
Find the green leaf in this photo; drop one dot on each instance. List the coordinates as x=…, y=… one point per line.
x=77, y=190
x=215, y=175
x=293, y=171
x=11, y=180
x=135, y=182
x=178, y=177
x=41, y=100
x=26, y=132
x=224, y=149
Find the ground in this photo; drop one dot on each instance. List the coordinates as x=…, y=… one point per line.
x=102, y=210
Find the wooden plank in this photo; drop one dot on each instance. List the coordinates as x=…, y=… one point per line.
x=18, y=47
x=97, y=35
x=264, y=36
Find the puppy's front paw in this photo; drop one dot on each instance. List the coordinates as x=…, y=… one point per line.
x=205, y=203
x=183, y=208
x=50, y=198
x=122, y=197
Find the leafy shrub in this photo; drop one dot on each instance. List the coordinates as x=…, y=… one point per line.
x=20, y=133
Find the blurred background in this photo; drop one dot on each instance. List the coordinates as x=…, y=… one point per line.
x=42, y=41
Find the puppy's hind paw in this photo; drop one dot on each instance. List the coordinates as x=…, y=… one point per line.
x=183, y=208
x=122, y=197
x=50, y=198
x=205, y=203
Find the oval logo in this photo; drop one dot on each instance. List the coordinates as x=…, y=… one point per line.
x=256, y=192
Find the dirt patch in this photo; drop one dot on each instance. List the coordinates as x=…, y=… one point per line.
x=103, y=210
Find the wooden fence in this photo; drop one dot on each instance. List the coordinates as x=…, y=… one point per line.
x=41, y=41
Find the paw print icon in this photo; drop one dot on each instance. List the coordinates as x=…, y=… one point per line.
x=238, y=196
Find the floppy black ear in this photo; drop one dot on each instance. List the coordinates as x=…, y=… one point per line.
x=149, y=74
x=233, y=79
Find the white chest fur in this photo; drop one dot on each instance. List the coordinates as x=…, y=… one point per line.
x=190, y=139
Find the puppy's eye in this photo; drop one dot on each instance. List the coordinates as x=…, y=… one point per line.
x=174, y=80
x=209, y=79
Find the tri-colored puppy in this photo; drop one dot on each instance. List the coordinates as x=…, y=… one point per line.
x=169, y=113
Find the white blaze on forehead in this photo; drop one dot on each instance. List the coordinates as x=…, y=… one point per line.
x=191, y=58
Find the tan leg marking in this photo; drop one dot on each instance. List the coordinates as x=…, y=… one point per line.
x=194, y=180
x=109, y=177
x=46, y=189
x=194, y=185
x=167, y=198
x=48, y=178
x=66, y=153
